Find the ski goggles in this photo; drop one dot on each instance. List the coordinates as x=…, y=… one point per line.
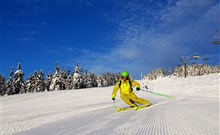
x=124, y=78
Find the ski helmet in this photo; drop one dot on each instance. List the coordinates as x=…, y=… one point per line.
x=124, y=74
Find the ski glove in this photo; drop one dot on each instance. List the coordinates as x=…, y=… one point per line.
x=113, y=97
x=138, y=89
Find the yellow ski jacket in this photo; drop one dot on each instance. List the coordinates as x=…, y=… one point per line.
x=125, y=87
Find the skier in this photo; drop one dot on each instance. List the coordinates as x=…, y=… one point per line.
x=126, y=91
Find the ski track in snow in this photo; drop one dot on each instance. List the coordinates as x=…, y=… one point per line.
x=90, y=112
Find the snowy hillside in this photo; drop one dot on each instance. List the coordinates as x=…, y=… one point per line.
x=206, y=85
x=193, y=110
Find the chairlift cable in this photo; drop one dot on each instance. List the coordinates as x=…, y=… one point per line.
x=207, y=40
x=196, y=56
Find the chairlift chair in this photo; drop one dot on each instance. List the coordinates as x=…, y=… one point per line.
x=205, y=58
x=216, y=40
x=195, y=56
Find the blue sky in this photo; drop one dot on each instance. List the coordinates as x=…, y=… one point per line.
x=106, y=35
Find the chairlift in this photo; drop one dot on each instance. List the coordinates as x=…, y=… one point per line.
x=216, y=40
x=195, y=56
x=205, y=58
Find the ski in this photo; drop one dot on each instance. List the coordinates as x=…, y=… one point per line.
x=123, y=109
x=140, y=107
x=137, y=108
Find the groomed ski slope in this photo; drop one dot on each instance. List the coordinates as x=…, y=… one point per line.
x=194, y=110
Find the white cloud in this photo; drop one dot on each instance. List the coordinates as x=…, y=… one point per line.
x=153, y=35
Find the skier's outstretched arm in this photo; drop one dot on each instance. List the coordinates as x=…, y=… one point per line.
x=115, y=89
x=135, y=84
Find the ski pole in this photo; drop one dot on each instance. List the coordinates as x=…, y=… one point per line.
x=114, y=104
x=160, y=94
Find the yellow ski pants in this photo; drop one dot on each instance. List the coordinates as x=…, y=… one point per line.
x=131, y=99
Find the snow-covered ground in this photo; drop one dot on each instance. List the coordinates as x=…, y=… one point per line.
x=194, y=110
